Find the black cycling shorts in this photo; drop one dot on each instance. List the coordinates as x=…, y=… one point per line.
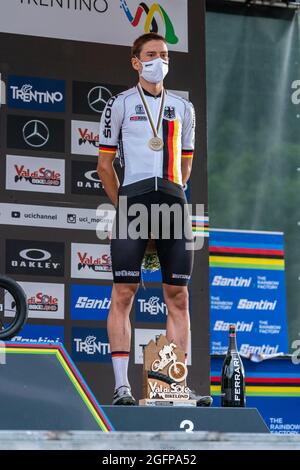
x=176, y=255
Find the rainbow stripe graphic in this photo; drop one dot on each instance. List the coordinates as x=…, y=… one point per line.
x=73, y=374
x=264, y=384
x=247, y=252
x=151, y=23
x=200, y=225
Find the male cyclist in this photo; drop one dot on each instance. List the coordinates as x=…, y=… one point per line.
x=153, y=130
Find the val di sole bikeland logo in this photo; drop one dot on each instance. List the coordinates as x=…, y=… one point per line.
x=35, y=174
x=90, y=98
x=85, y=138
x=32, y=133
x=35, y=258
x=45, y=300
x=147, y=13
x=91, y=261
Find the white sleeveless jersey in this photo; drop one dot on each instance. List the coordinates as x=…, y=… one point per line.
x=125, y=128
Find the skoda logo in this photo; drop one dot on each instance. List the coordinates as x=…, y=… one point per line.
x=35, y=254
x=36, y=133
x=98, y=97
x=92, y=176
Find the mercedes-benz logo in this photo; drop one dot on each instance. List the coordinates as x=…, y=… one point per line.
x=36, y=133
x=98, y=97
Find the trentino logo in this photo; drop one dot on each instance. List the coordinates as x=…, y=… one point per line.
x=150, y=22
x=90, y=345
x=150, y=306
x=36, y=93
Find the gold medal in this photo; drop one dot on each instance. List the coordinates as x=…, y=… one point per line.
x=156, y=143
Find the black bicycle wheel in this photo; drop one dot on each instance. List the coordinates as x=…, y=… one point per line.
x=20, y=302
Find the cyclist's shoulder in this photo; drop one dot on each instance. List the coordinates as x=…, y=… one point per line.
x=117, y=103
x=121, y=97
x=179, y=98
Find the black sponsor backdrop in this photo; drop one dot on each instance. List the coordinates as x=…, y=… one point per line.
x=90, y=98
x=35, y=133
x=64, y=60
x=35, y=257
x=85, y=180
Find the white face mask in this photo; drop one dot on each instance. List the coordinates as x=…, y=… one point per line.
x=155, y=70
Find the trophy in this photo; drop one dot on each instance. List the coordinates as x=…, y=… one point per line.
x=164, y=375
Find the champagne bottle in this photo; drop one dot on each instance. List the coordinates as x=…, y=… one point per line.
x=233, y=375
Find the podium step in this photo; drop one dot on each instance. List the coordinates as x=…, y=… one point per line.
x=40, y=388
x=189, y=419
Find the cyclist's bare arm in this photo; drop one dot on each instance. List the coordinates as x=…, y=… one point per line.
x=186, y=169
x=108, y=176
x=188, y=142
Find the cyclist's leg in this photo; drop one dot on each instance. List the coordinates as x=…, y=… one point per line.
x=126, y=258
x=176, y=260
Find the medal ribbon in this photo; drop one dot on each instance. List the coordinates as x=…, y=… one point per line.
x=156, y=128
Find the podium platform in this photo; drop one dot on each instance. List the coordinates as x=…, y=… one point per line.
x=189, y=419
x=41, y=389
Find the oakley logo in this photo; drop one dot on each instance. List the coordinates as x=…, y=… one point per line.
x=98, y=97
x=34, y=254
x=36, y=133
x=92, y=176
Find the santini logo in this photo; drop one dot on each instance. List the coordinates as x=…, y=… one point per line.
x=91, y=303
x=40, y=339
x=231, y=281
x=246, y=349
x=245, y=304
x=221, y=325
